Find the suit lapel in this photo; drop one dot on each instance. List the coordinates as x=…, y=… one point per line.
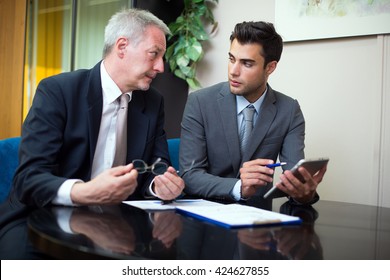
x=136, y=119
x=227, y=104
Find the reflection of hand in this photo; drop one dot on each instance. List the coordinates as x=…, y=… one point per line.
x=107, y=231
x=167, y=227
x=290, y=242
x=169, y=185
x=256, y=238
x=297, y=242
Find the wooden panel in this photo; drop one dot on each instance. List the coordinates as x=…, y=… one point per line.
x=12, y=39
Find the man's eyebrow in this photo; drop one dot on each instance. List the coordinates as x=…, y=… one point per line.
x=242, y=59
x=158, y=48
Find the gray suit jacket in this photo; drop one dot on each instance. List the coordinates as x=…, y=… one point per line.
x=209, y=137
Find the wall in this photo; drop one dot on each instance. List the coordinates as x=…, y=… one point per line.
x=344, y=91
x=12, y=28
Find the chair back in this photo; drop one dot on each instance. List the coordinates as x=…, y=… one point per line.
x=173, y=147
x=8, y=162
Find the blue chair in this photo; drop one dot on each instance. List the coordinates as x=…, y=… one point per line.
x=173, y=147
x=8, y=162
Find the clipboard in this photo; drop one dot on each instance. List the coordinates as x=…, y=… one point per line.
x=238, y=216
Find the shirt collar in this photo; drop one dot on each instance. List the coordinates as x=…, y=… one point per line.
x=242, y=102
x=111, y=91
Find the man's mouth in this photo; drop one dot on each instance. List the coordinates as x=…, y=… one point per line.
x=234, y=83
x=151, y=76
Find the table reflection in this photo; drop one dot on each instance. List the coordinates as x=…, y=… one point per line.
x=108, y=232
x=207, y=241
x=287, y=242
x=125, y=232
x=105, y=230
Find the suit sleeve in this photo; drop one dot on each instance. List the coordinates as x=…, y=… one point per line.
x=294, y=141
x=36, y=181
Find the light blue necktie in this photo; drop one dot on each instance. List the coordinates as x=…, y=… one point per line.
x=246, y=127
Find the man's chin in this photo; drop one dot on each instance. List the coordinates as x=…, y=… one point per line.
x=144, y=86
x=235, y=91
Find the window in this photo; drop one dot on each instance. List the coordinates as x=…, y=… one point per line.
x=64, y=35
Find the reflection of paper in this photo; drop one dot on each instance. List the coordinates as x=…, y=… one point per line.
x=236, y=215
x=156, y=204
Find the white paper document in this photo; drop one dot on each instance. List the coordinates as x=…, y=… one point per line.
x=238, y=216
x=157, y=205
x=226, y=215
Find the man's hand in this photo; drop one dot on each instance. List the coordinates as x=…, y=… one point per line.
x=110, y=187
x=255, y=174
x=169, y=185
x=301, y=192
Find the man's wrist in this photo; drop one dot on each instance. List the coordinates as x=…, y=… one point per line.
x=236, y=191
x=151, y=191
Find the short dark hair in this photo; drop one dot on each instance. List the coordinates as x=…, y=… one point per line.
x=262, y=33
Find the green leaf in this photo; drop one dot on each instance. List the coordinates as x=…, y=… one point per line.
x=195, y=51
x=181, y=44
x=182, y=60
x=179, y=74
x=193, y=83
x=191, y=73
x=185, y=70
x=169, y=52
x=172, y=64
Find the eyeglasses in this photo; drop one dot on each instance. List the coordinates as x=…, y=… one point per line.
x=157, y=168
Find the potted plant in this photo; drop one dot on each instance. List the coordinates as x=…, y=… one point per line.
x=185, y=48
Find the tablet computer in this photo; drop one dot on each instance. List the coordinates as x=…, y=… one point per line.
x=311, y=165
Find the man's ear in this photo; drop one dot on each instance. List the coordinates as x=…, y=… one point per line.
x=271, y=66
x=120, y=46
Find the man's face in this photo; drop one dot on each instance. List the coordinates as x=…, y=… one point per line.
x=142, y=62
x=246, y=72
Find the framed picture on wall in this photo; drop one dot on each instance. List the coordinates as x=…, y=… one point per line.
x=298, y=20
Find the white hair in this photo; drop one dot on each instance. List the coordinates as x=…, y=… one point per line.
x=130, y=23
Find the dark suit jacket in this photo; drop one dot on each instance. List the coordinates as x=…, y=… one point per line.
x=60, y=133
x=209, y=136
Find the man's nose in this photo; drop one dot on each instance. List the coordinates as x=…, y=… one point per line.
x=234, y=69
x=159, y=66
